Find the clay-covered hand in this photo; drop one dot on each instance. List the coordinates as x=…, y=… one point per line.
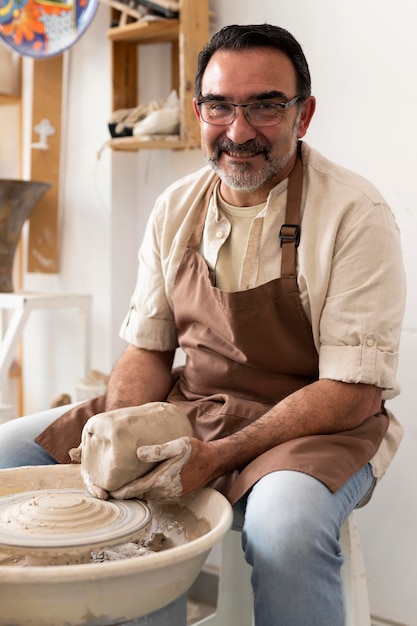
x=75, y=455
x=164, y=482
x=95, y=490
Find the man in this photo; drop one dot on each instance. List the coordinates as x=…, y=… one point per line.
x=280, y=276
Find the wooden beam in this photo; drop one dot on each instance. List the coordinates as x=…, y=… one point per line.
x=43, y=247
x=194, y=29
x=124, y=71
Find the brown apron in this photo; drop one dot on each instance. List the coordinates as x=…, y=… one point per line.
x=246, y=351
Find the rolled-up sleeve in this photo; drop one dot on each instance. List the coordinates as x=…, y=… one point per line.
x=146, y=332
x=360, y=323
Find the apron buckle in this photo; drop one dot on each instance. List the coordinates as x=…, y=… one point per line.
x=289, y=233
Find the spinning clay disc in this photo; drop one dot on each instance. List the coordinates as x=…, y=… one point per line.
x=61, y=519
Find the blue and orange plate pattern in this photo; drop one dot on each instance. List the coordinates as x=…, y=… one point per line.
x=40, y=29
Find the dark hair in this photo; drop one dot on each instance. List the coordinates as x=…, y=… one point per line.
x=241, y=37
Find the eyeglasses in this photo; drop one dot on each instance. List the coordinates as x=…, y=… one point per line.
x=261, y=113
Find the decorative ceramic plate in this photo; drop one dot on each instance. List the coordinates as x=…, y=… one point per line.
x=41, y=29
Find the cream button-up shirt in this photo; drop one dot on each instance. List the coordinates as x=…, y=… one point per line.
x=350, y=270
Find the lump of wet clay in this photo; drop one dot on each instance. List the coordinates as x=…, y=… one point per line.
x=109, y=441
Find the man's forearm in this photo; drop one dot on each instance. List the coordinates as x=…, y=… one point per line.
x=324, y=407
x=139, y=376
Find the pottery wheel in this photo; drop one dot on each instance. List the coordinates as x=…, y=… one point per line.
x=68, y=518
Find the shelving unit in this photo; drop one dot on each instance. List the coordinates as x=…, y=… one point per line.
x=11, y=65
x=187, y=35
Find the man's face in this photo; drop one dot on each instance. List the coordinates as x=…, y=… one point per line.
x=250, y=159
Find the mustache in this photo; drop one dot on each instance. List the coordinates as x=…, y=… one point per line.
x=249, y=148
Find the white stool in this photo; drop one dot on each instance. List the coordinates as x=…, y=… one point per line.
x=355, y=588
x=20, y=305
x=234, y=601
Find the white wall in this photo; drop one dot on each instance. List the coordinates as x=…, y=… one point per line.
x=362, y=57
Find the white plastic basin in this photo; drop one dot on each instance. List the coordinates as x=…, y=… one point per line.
x=111, y=592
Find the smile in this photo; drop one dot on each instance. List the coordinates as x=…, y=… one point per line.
x=241, y=155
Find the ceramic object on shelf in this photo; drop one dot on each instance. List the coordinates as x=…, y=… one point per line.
x=17, y=200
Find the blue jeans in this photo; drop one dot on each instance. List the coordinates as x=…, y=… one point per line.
x=290, y=531
x=290, y=537
x=17, y=445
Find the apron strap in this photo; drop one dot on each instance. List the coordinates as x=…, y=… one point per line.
x=290, y=231
x=194, y=239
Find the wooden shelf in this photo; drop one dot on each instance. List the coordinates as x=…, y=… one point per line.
x=187, y=35
x=158, y=31
x=134, y=144
x=5, y=99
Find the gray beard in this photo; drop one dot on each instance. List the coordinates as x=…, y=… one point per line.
x=242, y=178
